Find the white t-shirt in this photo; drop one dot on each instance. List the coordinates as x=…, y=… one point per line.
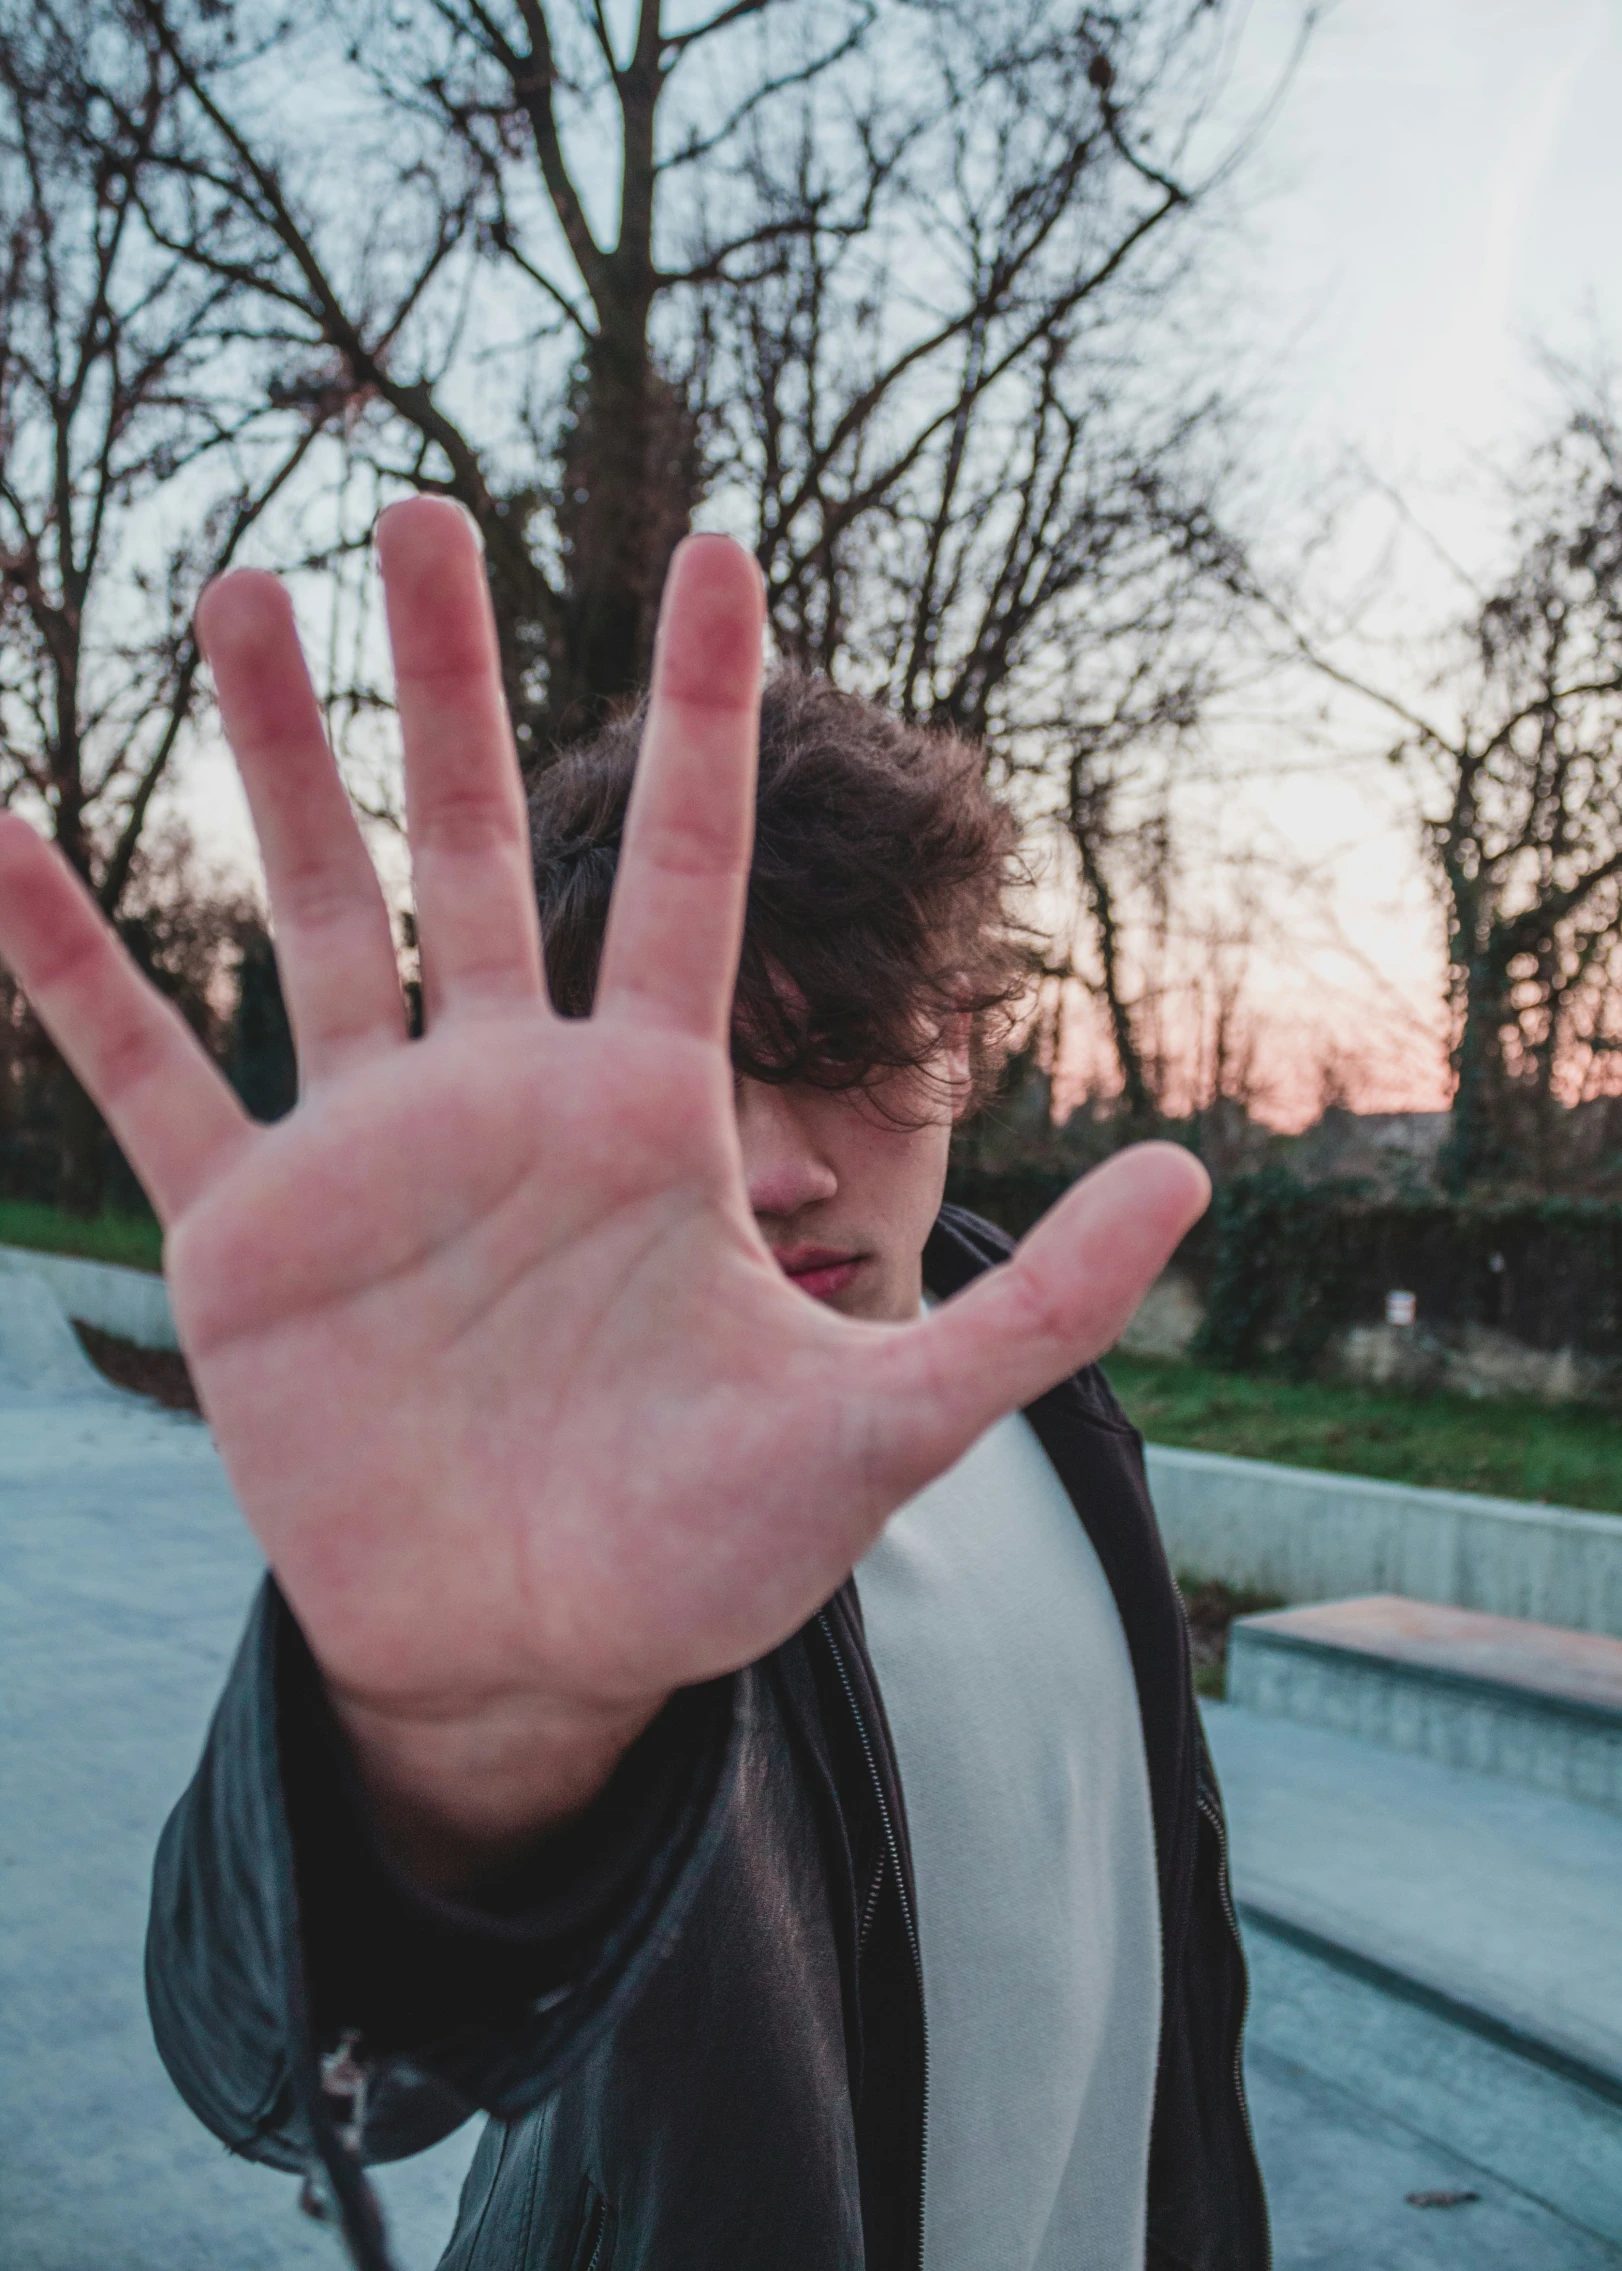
x=1010, y=1695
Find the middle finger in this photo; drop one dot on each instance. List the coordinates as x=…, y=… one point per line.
x=471, y=862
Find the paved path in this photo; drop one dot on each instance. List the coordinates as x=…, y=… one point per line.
x=124, y=1573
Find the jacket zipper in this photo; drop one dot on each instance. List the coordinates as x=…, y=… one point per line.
x=345, y=2079
x=597, y=2233
x=1213, y=1814
x=894, y=1850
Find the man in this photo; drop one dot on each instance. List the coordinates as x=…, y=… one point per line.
x=566, y=1367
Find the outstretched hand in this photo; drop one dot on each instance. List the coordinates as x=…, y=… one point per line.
x=530, y=1426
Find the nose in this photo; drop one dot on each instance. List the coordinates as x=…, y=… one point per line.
x=783, y=1166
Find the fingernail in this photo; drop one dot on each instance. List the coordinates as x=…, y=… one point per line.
x=466, y=512
x=472, y=519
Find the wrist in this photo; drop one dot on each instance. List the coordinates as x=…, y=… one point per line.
x=456, y=1797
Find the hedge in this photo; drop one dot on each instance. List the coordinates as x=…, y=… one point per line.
x=1293, y=1264
x=1285, y=1266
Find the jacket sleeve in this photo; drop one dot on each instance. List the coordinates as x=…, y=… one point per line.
x=287, y=1960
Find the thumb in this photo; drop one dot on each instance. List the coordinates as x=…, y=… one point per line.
x=1064, y=1296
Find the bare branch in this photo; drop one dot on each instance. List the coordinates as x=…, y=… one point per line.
x=678, y=43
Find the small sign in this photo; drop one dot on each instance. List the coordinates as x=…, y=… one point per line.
x=1400, y=1308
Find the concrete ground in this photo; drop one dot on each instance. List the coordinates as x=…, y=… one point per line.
x=1382, y=1892
x=124, y=1573
x=1360, y=2099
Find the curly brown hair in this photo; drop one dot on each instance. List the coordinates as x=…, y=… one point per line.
x=879, y=891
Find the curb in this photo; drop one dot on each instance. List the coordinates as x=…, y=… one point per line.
x=134, y=1304
x=1410, y=1987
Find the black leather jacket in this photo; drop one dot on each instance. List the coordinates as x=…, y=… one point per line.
x=698, y=2021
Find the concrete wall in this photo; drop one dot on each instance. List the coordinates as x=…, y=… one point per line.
x=1320, y=1537
x=1166, y=1319
x=1474, y=1362
x=134, y=1304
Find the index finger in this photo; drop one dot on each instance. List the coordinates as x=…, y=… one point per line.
x=671, y=948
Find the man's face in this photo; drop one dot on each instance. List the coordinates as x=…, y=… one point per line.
x=846, y=1183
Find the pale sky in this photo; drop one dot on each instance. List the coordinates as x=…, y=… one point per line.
x=1439, y=194
x=1438, y=198
x=1440, y=188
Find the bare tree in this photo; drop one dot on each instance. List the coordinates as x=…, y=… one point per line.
x=1528, y=849
x=128, y=474
x=1520, y=778
x=1116, y=762
x=187, y=925
x=1045, y=568
x=888, y=283
x=876, y=277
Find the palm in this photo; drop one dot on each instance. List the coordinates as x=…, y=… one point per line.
x=535, y=1337
x=506, y=1380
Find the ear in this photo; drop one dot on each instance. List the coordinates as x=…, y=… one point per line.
x=958, y=1046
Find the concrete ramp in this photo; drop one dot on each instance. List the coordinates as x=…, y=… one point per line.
x=1498, y=1695
x=134, y=1304
x=39, y=1350
x=1498, y=1901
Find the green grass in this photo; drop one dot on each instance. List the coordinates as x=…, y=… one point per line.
x=1563, y=1455
x=133, y=1239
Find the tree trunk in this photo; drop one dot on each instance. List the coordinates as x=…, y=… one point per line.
x=264, y=1067
x=1089, y=822
x=631, y=478
x=1477, y=1147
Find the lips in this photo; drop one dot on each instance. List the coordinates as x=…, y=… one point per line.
x=821, y=1271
